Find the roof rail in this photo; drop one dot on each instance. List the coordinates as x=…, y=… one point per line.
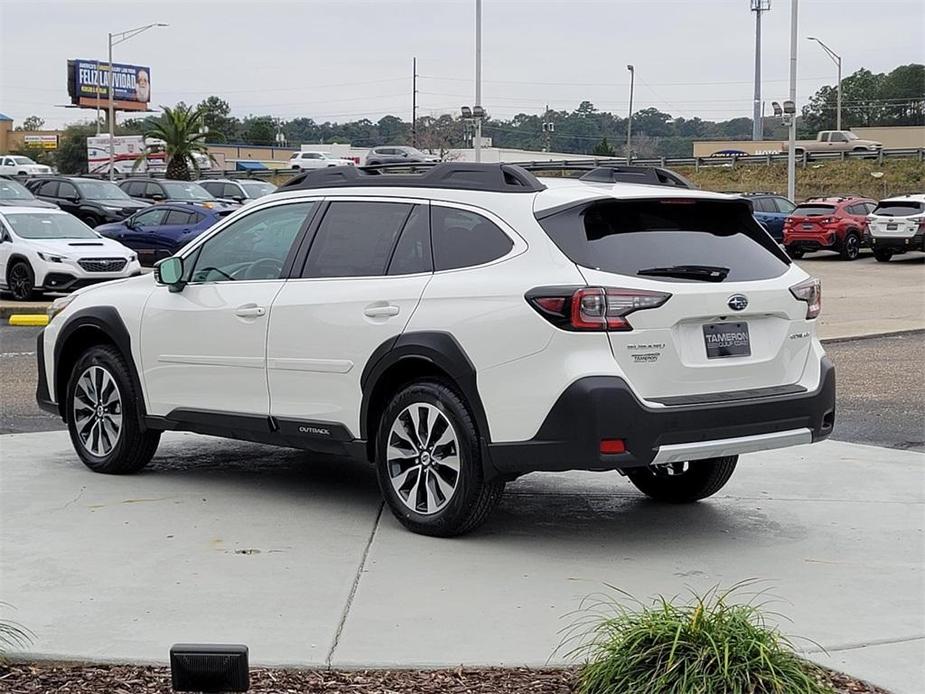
x=499, y=178
x=645, y=175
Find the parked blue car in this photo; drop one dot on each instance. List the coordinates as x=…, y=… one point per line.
x=771, y=210
x=161, y=230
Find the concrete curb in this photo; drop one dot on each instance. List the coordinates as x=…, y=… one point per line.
x=30, y=309
x=872, y=336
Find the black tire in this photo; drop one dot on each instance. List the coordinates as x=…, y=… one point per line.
x=851, y=246
x=883, y=255
x=795, y=252
x=473, y=497
x=92, y=221
x=133, y=447
x=700, y=479
x=20, y=279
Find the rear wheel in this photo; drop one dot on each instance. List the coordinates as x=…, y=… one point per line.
x=795, y=252
x=681, y=483
x=883, y=255
x=429, y=462
x=102, y=414
x=92, y=221
x=851, y=246
x=21, y=281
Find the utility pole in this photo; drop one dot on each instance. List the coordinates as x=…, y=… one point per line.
x=414, y=101
x=478, y=79
x=547, y=128
x=629, y=119
x=792, y=137
x=758, y=6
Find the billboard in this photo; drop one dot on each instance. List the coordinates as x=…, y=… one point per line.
x=42, y=141
x=88, y=83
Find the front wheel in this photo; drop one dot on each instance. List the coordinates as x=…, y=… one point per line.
x=21, y=281
x=851, y=246
x=682, y=483
x=883, y=255
x=102, y=414
x=429, y=462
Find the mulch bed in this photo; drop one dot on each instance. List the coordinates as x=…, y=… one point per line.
x=126, y=679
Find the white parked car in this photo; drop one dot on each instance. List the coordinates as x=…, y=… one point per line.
x=897, y=225
x=458, y=328
x=16, y=165
x=54, y=251
x=316, y=160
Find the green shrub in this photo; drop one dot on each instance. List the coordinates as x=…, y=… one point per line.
x=709, y=645
x=12, y=636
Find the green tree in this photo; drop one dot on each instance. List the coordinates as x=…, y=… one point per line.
x=604, y=149
x=180, y=129
x=259, y=130
x=32, y=123
x=218, y=119
x=71, y=155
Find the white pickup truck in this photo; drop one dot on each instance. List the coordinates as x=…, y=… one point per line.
x=833, y=141
x=16, y=165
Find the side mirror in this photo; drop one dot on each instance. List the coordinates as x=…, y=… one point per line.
x=73, y=198
x=157, y=197
x=169, y=271
x=238, y=198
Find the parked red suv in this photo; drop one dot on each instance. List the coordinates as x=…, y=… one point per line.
x=828, y=224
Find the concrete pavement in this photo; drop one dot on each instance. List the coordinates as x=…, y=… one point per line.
x=235, y=542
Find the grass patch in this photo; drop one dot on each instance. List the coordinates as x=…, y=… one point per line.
x=12, y=635
x=707, y=645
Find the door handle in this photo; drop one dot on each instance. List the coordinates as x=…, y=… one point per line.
x=249, y=311
x=381, y=311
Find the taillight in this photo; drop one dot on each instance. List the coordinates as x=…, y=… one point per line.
x=592, y=308
x=809, y=291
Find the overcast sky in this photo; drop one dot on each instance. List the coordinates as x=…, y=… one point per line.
x=350, y=59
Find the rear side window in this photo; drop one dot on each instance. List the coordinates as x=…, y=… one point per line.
x=814, y=210
x=179, y=217
x=899, y=208
x=355, y=239
x=667, y=240
x=412, y=254
x=763, y=205
x=49, y=188
x=464, y=239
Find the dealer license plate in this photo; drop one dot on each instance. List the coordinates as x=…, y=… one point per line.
x=727, y=340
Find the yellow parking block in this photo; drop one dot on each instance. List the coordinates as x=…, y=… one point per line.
x=30, y=319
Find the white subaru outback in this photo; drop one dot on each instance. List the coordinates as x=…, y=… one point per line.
x=458, y=328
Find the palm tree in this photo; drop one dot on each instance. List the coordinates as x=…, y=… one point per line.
x=180, y=128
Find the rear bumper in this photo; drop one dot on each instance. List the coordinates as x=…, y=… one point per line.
x=898, y=243
x=604, y=407
x=811, y=242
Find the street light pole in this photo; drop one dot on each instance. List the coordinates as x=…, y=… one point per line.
x=478, y=78
x=629, y=119
x=837, y=60
x=119, y=38
x=792, y=135
x=758, y=6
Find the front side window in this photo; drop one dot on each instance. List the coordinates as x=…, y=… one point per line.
x=667, y=240
x=49, y=188
x=464, y=239
x=67, y=190
x=257, y=189
x=784, y=205
x=49, y=225
x=837, y=137
x=229, y=190
x=355, y=239
x=254, y=247
x=152, y=189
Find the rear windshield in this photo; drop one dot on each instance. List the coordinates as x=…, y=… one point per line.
x=904, y=208
x=668, y=240
x=813, y=210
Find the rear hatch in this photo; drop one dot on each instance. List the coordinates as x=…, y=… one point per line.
x=810, y=218
x=730, y=322
x=896, y=219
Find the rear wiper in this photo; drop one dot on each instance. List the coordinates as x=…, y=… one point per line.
x=706, y=273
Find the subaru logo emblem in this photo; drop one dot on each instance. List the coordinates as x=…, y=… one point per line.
x=738, y=302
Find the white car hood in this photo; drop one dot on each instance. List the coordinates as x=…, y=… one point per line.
x=82, y=248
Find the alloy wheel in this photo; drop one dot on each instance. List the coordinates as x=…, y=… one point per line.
x=853, y=246
x=97, y=411
x=20, y=281
x=422, y=454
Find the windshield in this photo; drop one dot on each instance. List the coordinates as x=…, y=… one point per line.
x=186, y=191
x=11, y=190
x=899, y=208
x=258, y=189
x=813, y=210
x=48, y=225
x=100, y=190
x=23, y=160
